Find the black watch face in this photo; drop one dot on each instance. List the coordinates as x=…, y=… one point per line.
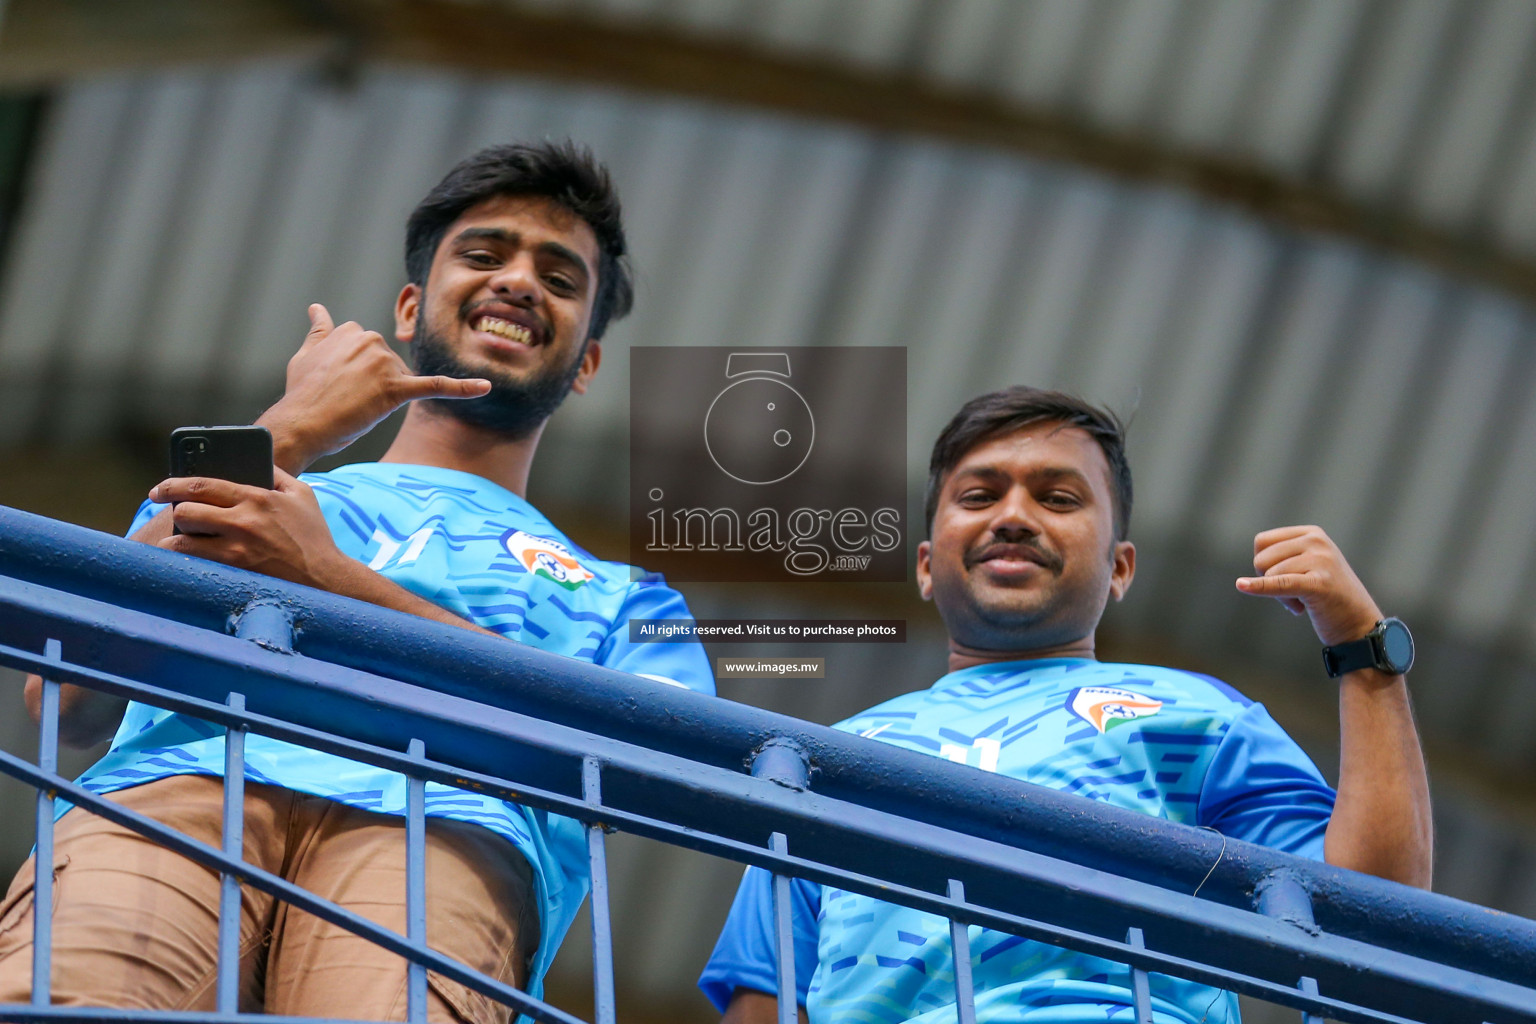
x=1397, y=644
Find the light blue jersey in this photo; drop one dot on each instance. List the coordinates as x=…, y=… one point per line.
x=484, y=553
x=1172, y=744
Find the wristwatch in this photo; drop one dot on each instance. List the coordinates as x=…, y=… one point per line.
x=1388, y=647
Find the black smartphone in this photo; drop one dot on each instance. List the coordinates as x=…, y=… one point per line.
x=241, y=455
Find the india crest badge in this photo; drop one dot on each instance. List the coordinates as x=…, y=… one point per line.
x=547, y=558
x=1105, y=707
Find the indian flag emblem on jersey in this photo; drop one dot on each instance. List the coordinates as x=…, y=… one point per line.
x=1105, y=707
x=547, y=558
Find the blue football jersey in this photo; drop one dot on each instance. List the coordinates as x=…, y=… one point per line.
x=1172, y=744
x=486, y=554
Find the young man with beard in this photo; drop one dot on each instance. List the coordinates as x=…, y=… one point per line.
x=1029, y=503
x=516, y=265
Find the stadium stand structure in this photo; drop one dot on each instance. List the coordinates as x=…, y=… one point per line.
x=618, y=752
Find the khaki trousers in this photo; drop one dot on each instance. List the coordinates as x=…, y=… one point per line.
x=136, y=926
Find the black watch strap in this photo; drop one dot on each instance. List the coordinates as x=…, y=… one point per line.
x=1342, y=659
x=1387, y=647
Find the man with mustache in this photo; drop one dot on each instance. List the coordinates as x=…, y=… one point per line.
x=516, y=264
x=1028, y=507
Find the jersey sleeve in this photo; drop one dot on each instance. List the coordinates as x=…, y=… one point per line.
x=1263, y=788
x=681, y=664
x=743, y=956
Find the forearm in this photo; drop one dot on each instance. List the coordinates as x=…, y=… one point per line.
x=1381, y=822
x=353, y=579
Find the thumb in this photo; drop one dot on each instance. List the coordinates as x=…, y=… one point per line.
x=320, y=323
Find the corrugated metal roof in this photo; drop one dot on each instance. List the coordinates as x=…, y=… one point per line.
x=1427, y=106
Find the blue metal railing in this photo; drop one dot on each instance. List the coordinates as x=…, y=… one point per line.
x=615, y=751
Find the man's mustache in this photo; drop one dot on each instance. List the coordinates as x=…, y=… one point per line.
x=1032, y=552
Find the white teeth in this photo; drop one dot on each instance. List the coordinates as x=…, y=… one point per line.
x=506, y=329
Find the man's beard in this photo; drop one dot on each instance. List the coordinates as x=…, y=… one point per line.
x=514, y=408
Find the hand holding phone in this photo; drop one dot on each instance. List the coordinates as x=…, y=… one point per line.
x=278, y=531
x=241, y=455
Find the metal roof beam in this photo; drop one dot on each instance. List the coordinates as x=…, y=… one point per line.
x=47, y=42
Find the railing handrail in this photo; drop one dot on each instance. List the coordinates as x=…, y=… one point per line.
x=674, y=722
x=326, y=706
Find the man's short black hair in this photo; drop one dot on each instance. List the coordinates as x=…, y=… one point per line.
x=561, y=171
x=1003, y=412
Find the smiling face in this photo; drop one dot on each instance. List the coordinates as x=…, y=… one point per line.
x=509, y=298
x=1023, y=556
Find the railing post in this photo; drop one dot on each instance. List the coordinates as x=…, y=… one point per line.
x=228, y=982
x=42, y=861
x=1309, y=986
x=1281, y=896
x=602, y=925
x=416, y=885
x=784, y=763
x=267, y=624
x=270, y=626
x=1141, y=987
x=960, y=946
x=784, y=937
